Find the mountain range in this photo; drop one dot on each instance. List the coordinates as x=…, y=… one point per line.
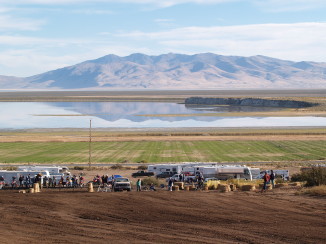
x=177, y=71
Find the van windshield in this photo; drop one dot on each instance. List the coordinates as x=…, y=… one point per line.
x=121, y=180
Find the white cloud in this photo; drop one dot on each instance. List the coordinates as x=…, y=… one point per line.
x=91, y=11
x=289, y=5
x=299, y=41
x=12, y=23
x=269, y=5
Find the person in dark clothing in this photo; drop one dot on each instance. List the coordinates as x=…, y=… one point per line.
x=272, y=178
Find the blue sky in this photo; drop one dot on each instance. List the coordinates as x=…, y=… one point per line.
x=41, y=35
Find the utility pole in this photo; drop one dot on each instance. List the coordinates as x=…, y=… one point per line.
x=90, y=144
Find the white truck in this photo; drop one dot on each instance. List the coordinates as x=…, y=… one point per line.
x=121, y=184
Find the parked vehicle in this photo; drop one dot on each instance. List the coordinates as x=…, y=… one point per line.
x=142, y=173
x=53, y=170
x=279, y=173
x=165, y=174
x=184, y=177
x=8, y=176
x=121, y=184
x=162, y=168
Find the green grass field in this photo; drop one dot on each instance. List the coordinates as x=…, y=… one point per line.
x=162, y=151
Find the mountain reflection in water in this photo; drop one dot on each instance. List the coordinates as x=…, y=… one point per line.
x=24, y=115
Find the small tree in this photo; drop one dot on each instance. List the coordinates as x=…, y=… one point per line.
x=315, y=176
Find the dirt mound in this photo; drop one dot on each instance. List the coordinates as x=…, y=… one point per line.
x=63, y=216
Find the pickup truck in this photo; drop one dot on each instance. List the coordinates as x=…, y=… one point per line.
x=120, y=184
x=142, y=173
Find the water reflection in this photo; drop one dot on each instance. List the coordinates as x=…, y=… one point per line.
x=25, y=115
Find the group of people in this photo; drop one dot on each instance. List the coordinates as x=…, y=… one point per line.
x=22, y=181
x=46, y=181
x=103, y=180
x=139, y=186
x=68, y=181
x=268, y=179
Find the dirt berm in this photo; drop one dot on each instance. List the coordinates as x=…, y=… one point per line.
x=68, y=216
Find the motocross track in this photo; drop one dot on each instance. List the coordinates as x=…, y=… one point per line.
x=64, y=216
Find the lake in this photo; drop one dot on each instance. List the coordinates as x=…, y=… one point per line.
x=30, y=115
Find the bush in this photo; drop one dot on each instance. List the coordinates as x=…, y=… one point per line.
x=298, y=177
x=142, y=167
x=280, y=180
x=79, y=168
x=142, y=162
x=117, y=166
x=150, y=180
x=316, y=176
x=10, y=168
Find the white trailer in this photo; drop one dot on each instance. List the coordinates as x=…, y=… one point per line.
x=8, y=175
x=206, y=171
x=255, y=172
x=50, y=169
x=234, y=172
x=160, y=168
x=279, y=173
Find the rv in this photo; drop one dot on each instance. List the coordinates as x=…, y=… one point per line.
x=7, y=176
x=177, y=168
x=234, y=172
x=206, y=171
x=160, y=168
x=255, y=172
x=53, y=170
x=279, y=173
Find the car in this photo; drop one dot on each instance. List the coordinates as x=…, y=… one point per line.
x=121, y=184
x=165, y=174
x=142, y=173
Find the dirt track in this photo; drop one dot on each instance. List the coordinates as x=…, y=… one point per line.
x=161, y=217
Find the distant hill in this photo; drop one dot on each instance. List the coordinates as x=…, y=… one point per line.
x=178, y=71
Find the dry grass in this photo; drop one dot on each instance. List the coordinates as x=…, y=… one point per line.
x=314, y=191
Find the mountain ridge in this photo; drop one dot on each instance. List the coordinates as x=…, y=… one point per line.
x=177, y=71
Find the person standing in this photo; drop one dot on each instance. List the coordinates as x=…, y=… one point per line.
x=266, y=179
x=21, y=179
x=138, y=184
x=170, y=184
x=272, y=178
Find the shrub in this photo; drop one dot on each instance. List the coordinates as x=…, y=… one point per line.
x=150, y=180
x=142, y=162
x=280, y=180
x=117, y=166
x=10, y=168
x=142, y=167
x=79, y=168
x=316, y=176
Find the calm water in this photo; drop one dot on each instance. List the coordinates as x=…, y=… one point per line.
x=27, y=115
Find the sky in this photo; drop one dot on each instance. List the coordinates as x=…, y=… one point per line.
x=37, y=36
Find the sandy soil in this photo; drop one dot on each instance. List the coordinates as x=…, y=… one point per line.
x=55, y=216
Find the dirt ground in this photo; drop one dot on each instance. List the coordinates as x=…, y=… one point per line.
x=55, y=216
